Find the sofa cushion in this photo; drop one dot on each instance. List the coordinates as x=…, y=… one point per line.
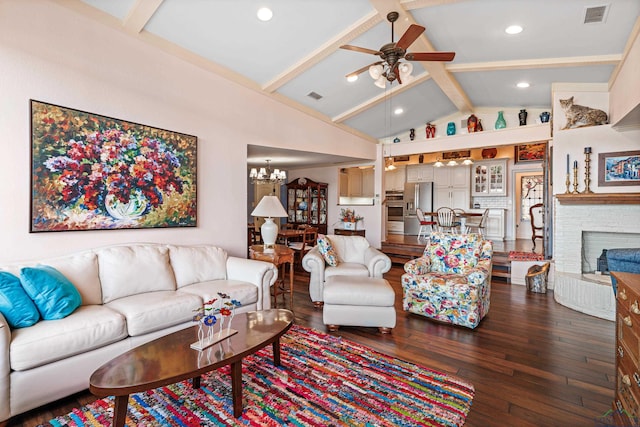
x=15, y=305
x=196, y=264
x=134, y=270
x=244, y=292
x=327, y=251
x=82, y=271
x=350, y=248
x=452, y=253
x=152, y=311
x=88, y=328
x=347, y=269
x=54, y=295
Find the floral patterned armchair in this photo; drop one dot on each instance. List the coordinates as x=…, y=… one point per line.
x=451, y=281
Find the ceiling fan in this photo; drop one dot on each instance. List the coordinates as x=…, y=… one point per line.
x=390, y=68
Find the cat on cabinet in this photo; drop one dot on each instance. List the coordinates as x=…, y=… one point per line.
x=580, y=116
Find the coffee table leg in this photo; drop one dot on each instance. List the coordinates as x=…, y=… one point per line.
x=276, y=352
x=236, y=388
x=195, y=382
x=120, y=410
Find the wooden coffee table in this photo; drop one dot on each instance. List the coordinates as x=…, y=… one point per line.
x=169, y=359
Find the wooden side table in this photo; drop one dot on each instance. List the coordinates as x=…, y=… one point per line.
x=279, y=256
x=343, y=232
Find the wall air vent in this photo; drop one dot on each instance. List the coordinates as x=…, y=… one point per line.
x=596, y=14
x=314, y=95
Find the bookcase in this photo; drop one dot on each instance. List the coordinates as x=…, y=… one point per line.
x=307, y=203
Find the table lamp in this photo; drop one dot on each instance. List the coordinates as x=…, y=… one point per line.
x=269, y=207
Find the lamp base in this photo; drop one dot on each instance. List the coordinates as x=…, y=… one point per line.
x=269, y=233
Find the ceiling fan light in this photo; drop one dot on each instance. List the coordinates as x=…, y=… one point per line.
x=375, y=71
x=381, y=82
x=405, y=69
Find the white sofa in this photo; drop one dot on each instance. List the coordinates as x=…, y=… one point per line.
x=356, y=257
x=131, y=294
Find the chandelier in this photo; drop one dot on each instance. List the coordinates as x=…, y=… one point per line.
x=267, y=175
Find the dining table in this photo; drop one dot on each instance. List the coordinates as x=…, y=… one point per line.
x=289, y=233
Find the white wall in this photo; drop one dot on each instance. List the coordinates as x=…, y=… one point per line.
x=51, y=54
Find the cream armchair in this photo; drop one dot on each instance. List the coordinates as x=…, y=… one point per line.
x=355, y=258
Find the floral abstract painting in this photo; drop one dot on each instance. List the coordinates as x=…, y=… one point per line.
x=91, y=172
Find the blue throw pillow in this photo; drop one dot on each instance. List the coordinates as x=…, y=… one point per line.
x=54, y=295
x=15, y=305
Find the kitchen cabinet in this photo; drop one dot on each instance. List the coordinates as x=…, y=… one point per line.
x=307, y=203
x=451, y=187
x=356, y=182
x=394, y=179
x=489, y=178
x=420, y=173
x=626, y=404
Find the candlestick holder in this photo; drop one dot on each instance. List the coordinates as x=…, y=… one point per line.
x=568, y=184
x=587, y=172
x=575, y=181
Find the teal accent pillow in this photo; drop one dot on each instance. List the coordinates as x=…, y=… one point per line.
x=54, y=295
x=15, y=305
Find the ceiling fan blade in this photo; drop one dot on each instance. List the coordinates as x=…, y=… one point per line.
x=409, y=36
x=363, y=69
x=360, y=49
x=430, y=56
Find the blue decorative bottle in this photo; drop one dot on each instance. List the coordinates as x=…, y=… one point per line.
x=500, y=122
x=451, y=128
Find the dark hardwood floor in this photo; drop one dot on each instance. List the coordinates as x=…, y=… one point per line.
x=532, y=361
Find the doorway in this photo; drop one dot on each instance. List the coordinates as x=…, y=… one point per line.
x=529, y=190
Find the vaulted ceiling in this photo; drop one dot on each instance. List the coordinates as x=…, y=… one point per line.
x=298, y=53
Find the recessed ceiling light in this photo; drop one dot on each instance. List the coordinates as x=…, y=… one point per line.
x=513, y=29
x=265, y=14
x=398, y=111
x=523, y=85
x=352, y=78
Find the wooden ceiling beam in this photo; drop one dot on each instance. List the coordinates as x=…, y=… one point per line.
x=139, y=14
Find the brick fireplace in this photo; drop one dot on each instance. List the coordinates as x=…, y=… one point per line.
x=595, y=224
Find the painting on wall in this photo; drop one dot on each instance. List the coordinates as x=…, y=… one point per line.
x=452, y=155
x=91, y=172
x=530, y=152
x=619, y=168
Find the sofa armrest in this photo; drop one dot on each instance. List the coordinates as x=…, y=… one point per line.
x=418, y=266
x=5, y=368
x=313, y=262
x=376, y=261
x=476, y=275
x=260, y=273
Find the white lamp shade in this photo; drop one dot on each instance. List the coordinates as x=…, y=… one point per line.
x=269, y=207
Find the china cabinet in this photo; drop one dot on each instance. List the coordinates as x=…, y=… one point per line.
x=489, y=178
x=307, y=203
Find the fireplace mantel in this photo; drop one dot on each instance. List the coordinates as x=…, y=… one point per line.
x=599, y=199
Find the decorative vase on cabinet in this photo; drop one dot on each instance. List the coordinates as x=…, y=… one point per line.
x=522, y=117
x=500, y=121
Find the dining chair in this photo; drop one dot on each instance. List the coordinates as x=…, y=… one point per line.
x=477, y=224
x=309, y=238
x=426, y=227
x=536, y=212
x=446, y=220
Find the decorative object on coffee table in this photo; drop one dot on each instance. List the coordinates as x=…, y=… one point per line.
x=205, y=317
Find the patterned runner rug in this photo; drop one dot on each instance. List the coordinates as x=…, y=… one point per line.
x=323, y=381
x=525, y=256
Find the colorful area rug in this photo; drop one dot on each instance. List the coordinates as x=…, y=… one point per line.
x=525, y=256
x=323, y=381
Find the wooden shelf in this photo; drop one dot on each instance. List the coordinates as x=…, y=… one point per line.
x=599, y=199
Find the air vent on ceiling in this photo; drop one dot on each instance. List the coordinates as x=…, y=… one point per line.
x=596, y=14
x=314, y=95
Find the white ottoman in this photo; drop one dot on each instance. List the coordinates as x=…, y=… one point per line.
x=358, y=301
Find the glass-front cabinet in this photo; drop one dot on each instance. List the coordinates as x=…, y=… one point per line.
x=489, y=178
x=307, y=203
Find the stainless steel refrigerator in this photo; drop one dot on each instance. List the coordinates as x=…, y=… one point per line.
x=416, y=195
